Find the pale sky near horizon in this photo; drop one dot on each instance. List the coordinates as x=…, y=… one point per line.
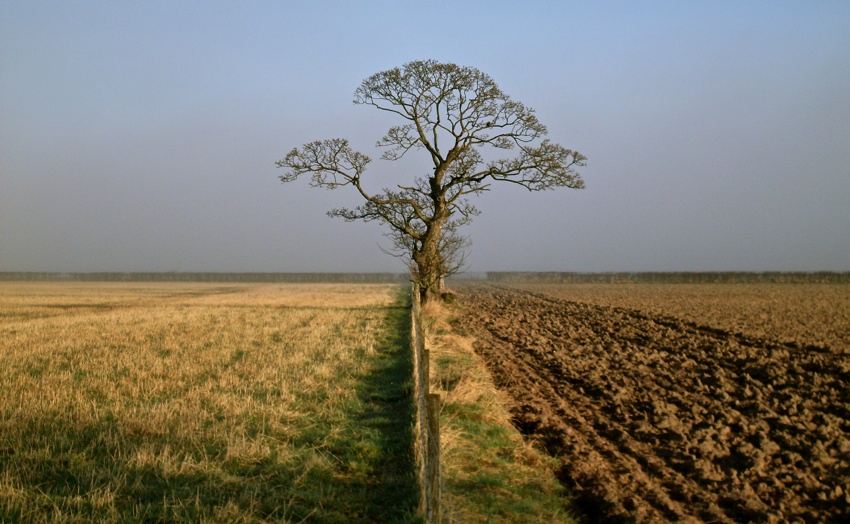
x=143, y=136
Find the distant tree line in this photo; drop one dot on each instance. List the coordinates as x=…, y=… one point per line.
x=682, y=277
x=679, y=277
x=175, y=276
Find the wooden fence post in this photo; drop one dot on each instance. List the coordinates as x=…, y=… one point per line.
x=434, y=480
x=428, y=407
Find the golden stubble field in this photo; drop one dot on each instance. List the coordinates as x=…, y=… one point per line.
x=203, y=402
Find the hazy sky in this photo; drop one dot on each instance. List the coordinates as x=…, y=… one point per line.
x=142, y=136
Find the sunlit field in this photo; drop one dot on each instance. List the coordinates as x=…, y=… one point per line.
x=205, y=402
x=802, y=314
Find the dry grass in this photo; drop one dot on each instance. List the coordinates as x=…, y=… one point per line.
x=196, y=402
x=490, y=474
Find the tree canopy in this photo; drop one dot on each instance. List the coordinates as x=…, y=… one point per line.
x=451, y=114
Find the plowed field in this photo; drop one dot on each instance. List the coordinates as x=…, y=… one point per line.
x=660, y=418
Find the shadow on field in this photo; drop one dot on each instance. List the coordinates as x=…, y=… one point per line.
x=386, y=419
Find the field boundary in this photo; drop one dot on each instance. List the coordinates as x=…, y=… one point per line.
x=670, y=277
x=427, y=418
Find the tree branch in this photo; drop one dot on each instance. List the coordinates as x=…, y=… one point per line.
x=453, y=113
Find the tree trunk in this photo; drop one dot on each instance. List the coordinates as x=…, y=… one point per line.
x=427, y=276
x=429, y=263
x=425, y=295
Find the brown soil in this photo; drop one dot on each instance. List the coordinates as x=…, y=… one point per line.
x=800, y=314
x=660, y=420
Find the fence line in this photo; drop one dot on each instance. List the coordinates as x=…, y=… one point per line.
x=428, y=419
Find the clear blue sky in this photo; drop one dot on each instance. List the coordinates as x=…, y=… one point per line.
x=142, y=136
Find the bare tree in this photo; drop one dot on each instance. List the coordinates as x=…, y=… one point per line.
x=452, y=113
